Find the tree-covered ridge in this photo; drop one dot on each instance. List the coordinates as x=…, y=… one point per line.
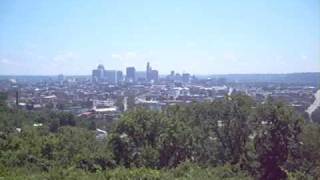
x=232, y=138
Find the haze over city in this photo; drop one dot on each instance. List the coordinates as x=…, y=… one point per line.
x=200, y=37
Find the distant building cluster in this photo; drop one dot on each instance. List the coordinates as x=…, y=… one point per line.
x=132, y=76
x=150, y=75
x=110, y=76
x=184, y=77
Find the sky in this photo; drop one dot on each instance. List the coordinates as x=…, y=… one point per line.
x=197, y=36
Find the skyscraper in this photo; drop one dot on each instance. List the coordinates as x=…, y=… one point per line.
x=151, y=75
x=148, y=72
x=131, y=74
x=186, y=77
x=172, y=73
x=98, y=74
x=154, y=75
x=141, y=76
x=111, y=76
x=119, y=76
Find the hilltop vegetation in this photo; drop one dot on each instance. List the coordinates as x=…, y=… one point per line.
x=233, y=138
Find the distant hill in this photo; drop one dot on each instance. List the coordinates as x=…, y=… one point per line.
x=35, y=78
x=291, y=78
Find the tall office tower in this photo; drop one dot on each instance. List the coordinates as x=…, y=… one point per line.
x=141, y=76
x=172, y=73
x=148, y=72
x=186, y=77
x=98, y=74
x=171, y=76
x=101, y=71
x=95, y=75
x=111, y=76
x=131, y=74
x=154, y=75
x=119, y=76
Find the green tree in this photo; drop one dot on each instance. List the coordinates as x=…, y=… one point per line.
x=134, y=132
x=276, y=128
x=309, y=160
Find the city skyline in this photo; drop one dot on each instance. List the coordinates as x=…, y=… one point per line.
x=203, y=37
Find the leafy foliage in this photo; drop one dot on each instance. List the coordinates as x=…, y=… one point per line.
x=231, y=138
x=276, y=134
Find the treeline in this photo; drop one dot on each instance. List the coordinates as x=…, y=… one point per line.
x=231, y=138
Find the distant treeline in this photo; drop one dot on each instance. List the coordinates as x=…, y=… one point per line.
x=291, y=78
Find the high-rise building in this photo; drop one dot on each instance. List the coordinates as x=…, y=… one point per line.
x=98, y=74
x=141, y=76
x=119, y=76
x=101, y=72
x=154, y=75
x=148, y=72
x=131, y=74
x=186, y=77
x=111, y=76
x=151, y=75
x=171, y=76
x=172, y=73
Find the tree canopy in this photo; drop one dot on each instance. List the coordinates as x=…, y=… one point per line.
x=229, y=138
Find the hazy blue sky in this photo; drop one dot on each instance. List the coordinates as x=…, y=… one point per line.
x=202, y=37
